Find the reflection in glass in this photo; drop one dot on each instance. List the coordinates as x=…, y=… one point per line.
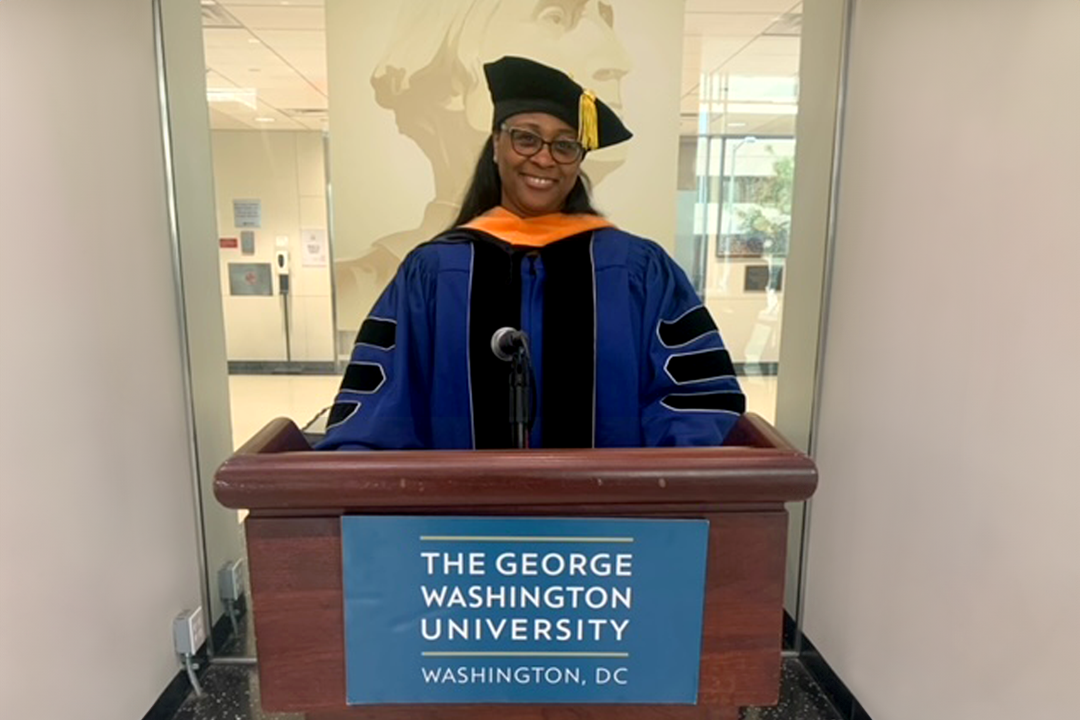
x=741, y=220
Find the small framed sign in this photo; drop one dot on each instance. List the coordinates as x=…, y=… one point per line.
x=523, y=610
x=247, y=213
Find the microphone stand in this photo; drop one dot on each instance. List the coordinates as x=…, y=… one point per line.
x=520, y=392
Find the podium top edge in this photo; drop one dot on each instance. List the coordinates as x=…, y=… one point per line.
x=277, y=470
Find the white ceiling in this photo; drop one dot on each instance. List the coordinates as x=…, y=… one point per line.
x=266, y=64
x=725, y=42
x=276, y=48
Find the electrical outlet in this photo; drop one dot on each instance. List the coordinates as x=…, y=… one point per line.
x=231, y=580
x=189, y=631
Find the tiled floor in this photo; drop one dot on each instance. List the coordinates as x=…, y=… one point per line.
x=232, y=693
x=257, y=399
x=800, y=698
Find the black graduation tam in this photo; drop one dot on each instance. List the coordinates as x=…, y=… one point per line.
x=519, y=85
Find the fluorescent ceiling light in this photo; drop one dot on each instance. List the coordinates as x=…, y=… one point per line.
x=244, y=96
x=265, y=119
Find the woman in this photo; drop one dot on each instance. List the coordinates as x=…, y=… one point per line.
x=624, y=353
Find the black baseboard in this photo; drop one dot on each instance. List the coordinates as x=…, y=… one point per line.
x=177, y=691
x=223, y=628
x=790, y=631
x=281, y=367
x=830, y=683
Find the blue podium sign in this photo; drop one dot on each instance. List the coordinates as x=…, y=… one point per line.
x=523, y=610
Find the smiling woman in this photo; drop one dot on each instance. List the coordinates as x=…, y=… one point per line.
x=529, y=251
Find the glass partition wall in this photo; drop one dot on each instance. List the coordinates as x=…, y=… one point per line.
x=341, y=134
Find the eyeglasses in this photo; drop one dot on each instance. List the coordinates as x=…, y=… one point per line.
x=527, y=144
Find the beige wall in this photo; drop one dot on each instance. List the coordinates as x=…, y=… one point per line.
x=944, y=576
x=97, y=538
x=284, y=170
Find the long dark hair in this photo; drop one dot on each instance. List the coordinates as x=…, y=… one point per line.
x=485, y=190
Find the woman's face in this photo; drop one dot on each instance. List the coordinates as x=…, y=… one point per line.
x=576, y=36
x=536, y=185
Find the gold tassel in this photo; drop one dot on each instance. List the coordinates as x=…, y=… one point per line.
x=588, y=124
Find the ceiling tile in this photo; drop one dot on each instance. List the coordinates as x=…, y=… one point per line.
x=745, y=25
x=304, y=50
x=741, y=6
x=269, y=17
x=298, y=96
x=274, y=3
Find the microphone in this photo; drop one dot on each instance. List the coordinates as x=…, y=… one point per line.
x=512, y=346
x=507, y=342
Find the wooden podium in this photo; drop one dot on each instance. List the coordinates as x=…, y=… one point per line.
x=297, y=498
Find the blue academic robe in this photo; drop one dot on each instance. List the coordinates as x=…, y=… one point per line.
x=624, y=352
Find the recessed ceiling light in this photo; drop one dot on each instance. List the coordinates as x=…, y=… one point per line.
x=264, y=119
x=244, y=96
x=254, y=41
x=736, y=124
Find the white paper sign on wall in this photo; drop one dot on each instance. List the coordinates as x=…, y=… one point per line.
x=315, y=251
